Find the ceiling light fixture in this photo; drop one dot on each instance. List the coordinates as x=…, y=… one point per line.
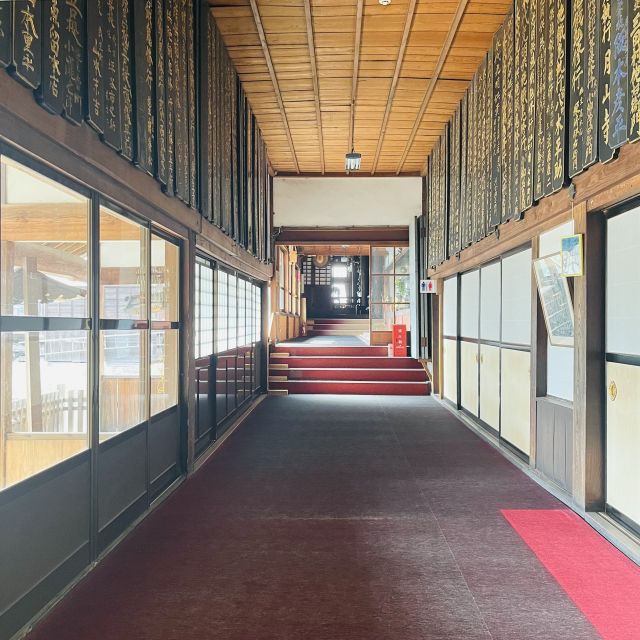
x=352, y=161
x=385, y=3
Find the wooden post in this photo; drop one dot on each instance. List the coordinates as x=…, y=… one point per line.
x=188, y=363
x=7, y=252
x=538, y=356
x=30, y=296
x=589, y=365
x=436, y=337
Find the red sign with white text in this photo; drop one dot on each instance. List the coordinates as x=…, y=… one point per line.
x=399, y=340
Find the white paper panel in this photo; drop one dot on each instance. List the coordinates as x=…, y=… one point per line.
x=450, y=308
x=516, y=298
x=450, y=373
x=560, y=372
x=623, y=283
x=490, y=302
x=490, y=385
x=515, y=405
x=469, y=304
x=469, y=376
x=623, y=440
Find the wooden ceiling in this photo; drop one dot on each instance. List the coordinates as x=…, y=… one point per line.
x=314, y=70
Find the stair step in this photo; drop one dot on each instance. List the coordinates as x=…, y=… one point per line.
x=349, y=362
x=322, y=350
x=357, y=375
x=353, y=387
x=337, y=320
x=278, y=392
x=278, y=366
x=335, y=332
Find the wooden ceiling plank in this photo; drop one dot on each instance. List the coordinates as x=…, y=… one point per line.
x=394, y=81
x=356, y=70
x=442, y=58
x=314, y=75
x=274, y=79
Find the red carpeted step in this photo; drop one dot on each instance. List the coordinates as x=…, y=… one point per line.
x=331, y=351
x=337, y=320
x=353, y=387
x=336, y=332
x=330, y=362
x=354, y=375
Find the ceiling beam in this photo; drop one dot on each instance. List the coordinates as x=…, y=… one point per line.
x=442, y=58
x=394, y=81
x=356, y=71
x=314, y=75
x=274, y=80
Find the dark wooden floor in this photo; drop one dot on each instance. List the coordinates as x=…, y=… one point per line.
x=332, y=518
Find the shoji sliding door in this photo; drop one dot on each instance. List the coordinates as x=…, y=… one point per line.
x=469, y=332
x=490, y=304
x=623, y=367
x=515, y=375
x=450, y=340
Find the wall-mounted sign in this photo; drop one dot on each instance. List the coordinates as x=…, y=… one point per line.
x=555, y=299
x=571, y=253
x=427, y=286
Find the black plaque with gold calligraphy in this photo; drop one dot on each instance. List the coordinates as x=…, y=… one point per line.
x=618, y=114
x=191, y=102
x=495, y=216
x=465, y=226
x=634, y=71
x=143, y=29
x=73, y=45
x=96, y=61
x=605, y=147
x=454, y=185
x=550, y=99
x=170, y=74
x=27, y=42
x=577, y=88
x=160, y=93
x=591, y=61
x=506, y=155
x=127, y=122
x=560, y=97
x=111, y=70
x=542, y=77
x=50, y=94
x=6, y=31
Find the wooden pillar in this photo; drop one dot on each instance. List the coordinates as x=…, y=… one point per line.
x=436, y=336
x=538, y=355
x=589, y=366
x=31, y=294
x=187, y=360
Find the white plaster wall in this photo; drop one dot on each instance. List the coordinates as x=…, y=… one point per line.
x=345, y=202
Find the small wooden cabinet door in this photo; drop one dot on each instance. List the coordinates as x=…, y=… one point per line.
x=623, y=439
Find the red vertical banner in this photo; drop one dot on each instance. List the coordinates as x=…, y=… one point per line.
x=399, y=340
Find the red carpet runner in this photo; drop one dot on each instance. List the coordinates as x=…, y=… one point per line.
x=603, y=583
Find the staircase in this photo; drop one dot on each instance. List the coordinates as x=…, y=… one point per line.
x=344, y=370
x=337, y=326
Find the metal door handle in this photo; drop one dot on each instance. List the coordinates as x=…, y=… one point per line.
x=613, y=391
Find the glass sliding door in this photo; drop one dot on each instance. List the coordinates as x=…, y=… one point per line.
x=623, y=367
x=44, y=322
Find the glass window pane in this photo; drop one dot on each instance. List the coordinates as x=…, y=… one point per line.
x=382, y=317
x=232, y=318
x=381, y=288
x=44, y=403
x=165, y=278
x=402, y=259
x=204, y=310
x=403, y=315
x=222, y=323
x=44, y=230
x=123, y=268
x=122, y=381
x=382, y=259
x=164, y=370
x=402, y=289
x=241, y=332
